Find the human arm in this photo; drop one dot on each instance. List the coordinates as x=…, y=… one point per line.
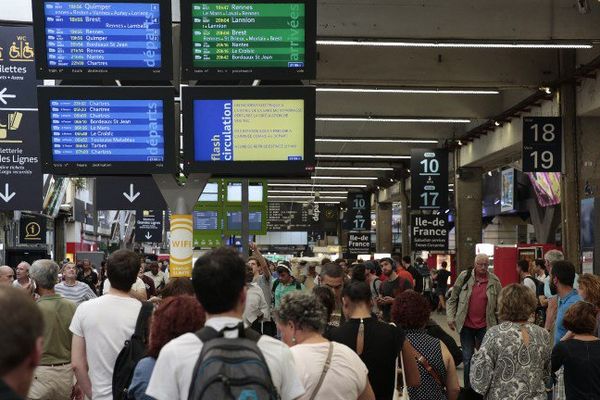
x=368, y=393
x=483, y=363
x=452, y=303
x=89, y=294
x=80, y=366
x=411, y=370
x=557, y=358
x=452, y=384
x=264, y=266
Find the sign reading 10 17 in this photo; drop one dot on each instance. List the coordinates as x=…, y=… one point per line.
x=358, y=217
x=542, y=144
x=429, y=179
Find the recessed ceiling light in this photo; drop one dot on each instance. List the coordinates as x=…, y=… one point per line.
x=396, y=119
x=466, y=45
x=360, y=140
x=408, y=90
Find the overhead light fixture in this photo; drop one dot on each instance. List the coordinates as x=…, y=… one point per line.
x=308, y=197
x=489, y=173
x=317, y=184
x=396, y=119
x=354, y=169
x=348, y=178
x=357, y=140
x=309, y=191
x=460, y=143
x=546, y=89
x=465, y=45
x=496, y=123
x=408, y=90
x=368, y=156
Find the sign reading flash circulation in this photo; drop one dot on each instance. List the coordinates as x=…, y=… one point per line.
x=429, y=179
x=542, y=144
x=429, y=232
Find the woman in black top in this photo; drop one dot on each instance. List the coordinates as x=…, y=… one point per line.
x=580, y=353
x=378, y=344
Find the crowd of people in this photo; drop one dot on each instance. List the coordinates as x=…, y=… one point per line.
x=254, y=329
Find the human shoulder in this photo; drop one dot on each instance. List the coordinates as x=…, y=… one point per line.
x=183, y=343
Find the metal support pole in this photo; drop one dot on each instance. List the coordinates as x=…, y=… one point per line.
x=245, y=218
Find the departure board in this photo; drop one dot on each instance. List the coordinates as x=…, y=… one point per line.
x=234, y=220
x=100, y=37
x=206, y=220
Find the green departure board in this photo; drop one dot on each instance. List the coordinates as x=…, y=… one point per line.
x=256, y=35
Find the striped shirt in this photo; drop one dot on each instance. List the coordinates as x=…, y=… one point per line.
x=77, y=293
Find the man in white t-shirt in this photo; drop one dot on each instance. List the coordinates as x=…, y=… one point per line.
x=219, y=283
x=101, y=326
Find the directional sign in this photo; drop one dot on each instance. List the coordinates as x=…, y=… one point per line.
x=148, y=226
x=358, y=217
x=542, y=144
x=429, y=232
x=20, y=174
x=128, y=193
x=429, y=179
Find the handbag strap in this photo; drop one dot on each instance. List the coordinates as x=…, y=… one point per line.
x=423, y=361
x=325, y=369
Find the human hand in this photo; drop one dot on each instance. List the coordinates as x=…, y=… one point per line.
x=76, y=393
x=452, y=325
x=252, y=247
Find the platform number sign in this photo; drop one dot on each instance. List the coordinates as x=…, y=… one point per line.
x=542, y=144
x=359, y=212
x=429, y=179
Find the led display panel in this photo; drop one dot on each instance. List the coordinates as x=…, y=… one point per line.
x=108, y=39
x=234, y=221
x=206, y=220
x=249, y=131
x=234, y=192
x=225, y=39
x=106, y=130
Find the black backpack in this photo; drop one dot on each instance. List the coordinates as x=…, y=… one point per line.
x=231, y=368
x=133, y=351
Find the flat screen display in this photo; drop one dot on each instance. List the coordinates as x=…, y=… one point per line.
x=266, y=39
x=234, y=193
x=210, y=193
x=234, y=220
x=249, y=131
x=206, y=220
x=129, y=39
x=106, y=130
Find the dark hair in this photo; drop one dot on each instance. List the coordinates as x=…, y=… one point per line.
x=580, y=318
x=249, y=274
x=358, y=272
x=564, y=271
x=22, y=324
x=340, y=260
x=540, y=262
x=406, y=259
x=178, y=287
x=444, y=264
x=411, y=310
x=153, y=264
x=523, y=265
x=397, y=258
x=122, y=269
x=326, y=298
x=325, y=261
x=332, y=270
x=419, y=260
x=219, y=277
x=357, y=292
x=174, y=317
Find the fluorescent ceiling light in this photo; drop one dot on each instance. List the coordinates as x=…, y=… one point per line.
x=358, y=140
x=408, y=90
x=398, y=119
x=350, y=178
x=309, y=191
x=369, y=156
x=344, y=186
x=354, y=168
x=466, y=45
x=308, y=197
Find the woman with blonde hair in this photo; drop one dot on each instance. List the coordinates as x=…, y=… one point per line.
x=514, y=358
x=589, y=290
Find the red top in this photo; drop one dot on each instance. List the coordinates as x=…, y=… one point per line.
x=402, y=273
x=477, y=305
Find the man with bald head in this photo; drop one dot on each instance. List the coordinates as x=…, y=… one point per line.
x=473, y=306
x=7, y=275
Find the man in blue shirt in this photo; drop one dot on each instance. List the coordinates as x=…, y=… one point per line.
x=562, y=278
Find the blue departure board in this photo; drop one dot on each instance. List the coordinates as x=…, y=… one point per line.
x=104, y=131
x=234, y=220
x=102, y=35
x=206, y=220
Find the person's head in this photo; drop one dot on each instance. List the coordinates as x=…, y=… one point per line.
x=359, y=272
x=387, y=266
x=481, y=264
x=551, y=257
x=406, y=261
x=174, y=317
x=419, y=260
x=562, y=275
x=522, y=267
x=300, y=314
x=87, y=265
x=44, y=273
x=444, y=265
x=325, y=261
x=285, y=273
x=249, y=274
x=154, y=268
x=327, y=299
x=219, y=279
x=370, y=267
x=580, y=318
x=178, y=287
x=21, y=338
x=411, y=310
x=589, y=288
x=7, y=275
x=540, y=266
x=122, y=269
x=342, y=263
x=356, y=294
x=332, y=276
x=23, y=270
x=69, y=271
x=516, y=303
x=312, y=269
x=254, y=264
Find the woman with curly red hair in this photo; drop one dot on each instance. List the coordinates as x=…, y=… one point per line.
x=173, y=317
x=439, y=380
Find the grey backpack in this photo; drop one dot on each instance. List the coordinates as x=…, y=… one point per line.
x=231, y=368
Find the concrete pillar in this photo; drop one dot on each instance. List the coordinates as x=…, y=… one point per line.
x=570, y=178
x=384, y=228
x=404, y=219
x=468, y=196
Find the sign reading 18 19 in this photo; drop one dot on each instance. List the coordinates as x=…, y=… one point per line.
x=542, y=144
x=429, y=179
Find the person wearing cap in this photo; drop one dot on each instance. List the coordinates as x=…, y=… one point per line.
x=285, y=284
